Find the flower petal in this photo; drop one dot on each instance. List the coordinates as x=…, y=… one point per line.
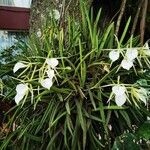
x=52, y=62
x=47, y=83
x=120, y=99
x=131, y=54
x=50, y=73
x=126, y=64
x=118, y=90
x=114, y=55
x=21, y=90
x=18, y=66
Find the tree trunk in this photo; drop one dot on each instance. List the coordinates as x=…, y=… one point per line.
x=41, y=8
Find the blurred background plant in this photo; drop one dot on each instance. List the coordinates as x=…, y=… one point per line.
x=80, y=110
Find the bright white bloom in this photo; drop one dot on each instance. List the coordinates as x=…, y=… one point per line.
x=21, y=90
x=118, y=90
x=50, y=73
x=127, y=64
x=120, y=95
x=39, y=34
x=114, y=55
x=52, y=62
x=120, y=99
x=47, y=83
x=18, y=66
x=131, y=54
x=56, y=14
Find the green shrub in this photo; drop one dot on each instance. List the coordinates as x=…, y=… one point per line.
x=78, y=87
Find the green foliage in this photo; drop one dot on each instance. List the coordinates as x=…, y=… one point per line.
x=79, y=110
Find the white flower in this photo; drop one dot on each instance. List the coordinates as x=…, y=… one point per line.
x=18, y=66
x=118, y=90
x=56, y=14
x=47, y=83
x=50, y=73
x=21, y=90
x=39, y=33
x=131, y=54
x=120, y=95
x=120, y=99
x=52, y=62
x=114, y=55
x=126, y=64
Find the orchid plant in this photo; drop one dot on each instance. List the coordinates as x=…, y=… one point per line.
x=49, y=68
x=76, y=87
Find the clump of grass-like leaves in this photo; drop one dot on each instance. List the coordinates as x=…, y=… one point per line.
x=79, y=110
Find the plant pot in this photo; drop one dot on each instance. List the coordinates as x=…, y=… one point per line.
x=14, y=18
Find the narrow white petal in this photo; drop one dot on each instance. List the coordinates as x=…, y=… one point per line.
x=50, y=73
x=126, y=64
x=47, y=83
x=18, y=66
x=114, y=55
x=118, y=90
x=52, y=62
x=131, y=54
x=120, y=99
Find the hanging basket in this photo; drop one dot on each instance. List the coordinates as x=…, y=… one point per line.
x=14, y=18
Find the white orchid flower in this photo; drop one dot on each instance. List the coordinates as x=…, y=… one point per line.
x=127, y=64
x=56, y=14
x=47, y=83
x=21, y=90
x=39, y=33
x=52, y=62
x=131, y=54
x=114, y=55
x=120, y=99
x=18, y=66
x=50, y=73
x=118, y=90
x=120, y=95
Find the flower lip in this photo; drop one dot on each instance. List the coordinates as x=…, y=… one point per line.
x=120, y=95
x=18, y=66
x=114, y=55
x=120, y=99
x=52, y=62
x=126, y=64
x=118, y=90
x=50, y=73
x=47, y=83
x=56, y=14
x=131, y=54
x=21, y=90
